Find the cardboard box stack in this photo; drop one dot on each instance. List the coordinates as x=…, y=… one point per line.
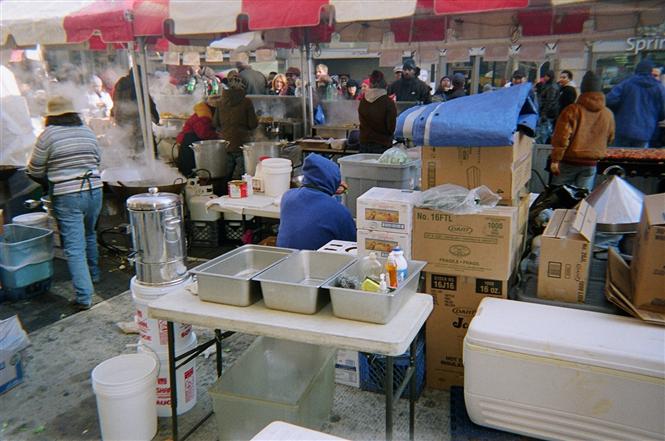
x=469, y=256
x=384, y=217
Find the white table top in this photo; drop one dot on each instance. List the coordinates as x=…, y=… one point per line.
x=279, y=430
x=255, y=205
x=322, y=328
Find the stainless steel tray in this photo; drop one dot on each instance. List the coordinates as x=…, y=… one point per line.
x=294, y=284
x=367, y=306
x=227, y=279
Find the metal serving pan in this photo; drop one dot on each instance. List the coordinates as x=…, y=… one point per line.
x=227, y=279
x=367, y=306
x=294, y=284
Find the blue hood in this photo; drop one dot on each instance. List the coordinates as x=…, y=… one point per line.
x=321, y=173
x=644, y=67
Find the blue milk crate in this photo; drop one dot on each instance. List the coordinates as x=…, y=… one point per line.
x=373, y=367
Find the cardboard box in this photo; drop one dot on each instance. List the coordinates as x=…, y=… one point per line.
x=505, y=170
x=347, y=368
x=565, y=254
x=456, y=299
x=648, y=265
x=476, y=245
x=382, y=243
x=386, y=209
x=13, y=339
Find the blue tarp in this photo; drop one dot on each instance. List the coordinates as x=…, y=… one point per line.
x=487, y=119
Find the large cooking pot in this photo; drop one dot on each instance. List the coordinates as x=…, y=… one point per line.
x=253, y=151
x=211, y=155
x=129, y=182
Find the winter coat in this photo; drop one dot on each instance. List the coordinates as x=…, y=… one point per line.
x=200, y=124
x=410, y=90
x=583, y=131
x=548, y=100
x=254, y=80
x=236, y=119
x=567, y=96
x=378, y=116
x=457, y=93
x=310, y=216
x=638, y=104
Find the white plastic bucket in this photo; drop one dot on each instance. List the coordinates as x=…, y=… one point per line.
x=125, y=390
x=185, y=380
x=38, y=219
x=276, y=176
x=153, y=332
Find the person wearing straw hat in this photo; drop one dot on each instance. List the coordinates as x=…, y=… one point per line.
x=67, y=156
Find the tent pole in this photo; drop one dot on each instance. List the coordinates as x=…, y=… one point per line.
x=150, y=144
x=310, y=88
x=307, y=129
x=137, y=86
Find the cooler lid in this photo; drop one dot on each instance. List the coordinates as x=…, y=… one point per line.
x=153, y=200
x=573, y=335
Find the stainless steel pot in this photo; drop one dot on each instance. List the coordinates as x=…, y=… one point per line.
x=211, y=155
x=158, y=237
x=253, y=151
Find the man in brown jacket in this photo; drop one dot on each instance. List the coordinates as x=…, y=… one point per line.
x=583, y=131
x=236, y=119
x=377, y=115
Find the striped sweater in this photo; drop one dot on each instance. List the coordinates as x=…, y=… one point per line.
x=64, y=154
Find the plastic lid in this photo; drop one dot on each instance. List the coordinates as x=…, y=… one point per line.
x=572, y=335
x=398, y=250
x=153, y=200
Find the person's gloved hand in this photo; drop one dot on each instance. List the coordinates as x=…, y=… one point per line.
x=554, y=168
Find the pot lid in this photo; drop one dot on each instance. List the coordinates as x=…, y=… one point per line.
x=618, y=205
x=153, y=200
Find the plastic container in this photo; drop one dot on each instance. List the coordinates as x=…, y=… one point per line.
x=38, y=219
x=21, y=245
x=153, y=332
x=362, y=172
x=371, y=267
x=564, y=373
x=125, y=391
x=402, y=267
x=276, y=176
x=185, y=380
x=274, y=380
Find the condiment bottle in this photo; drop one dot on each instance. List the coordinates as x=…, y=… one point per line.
x=383, y=286
x=371, y=267
x=402, y=265
x=391, y=269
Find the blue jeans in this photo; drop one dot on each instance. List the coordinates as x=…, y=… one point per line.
x=77, y=215
x=544, y=131
x=582, y=176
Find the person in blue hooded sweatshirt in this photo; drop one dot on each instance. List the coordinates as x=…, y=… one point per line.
x=638, y=103
x=310, y=215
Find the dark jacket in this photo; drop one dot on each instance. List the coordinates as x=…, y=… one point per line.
x=638, y=104
x=310, y=216
x=378, y=115
x=410, y=90
x=548, y=100
x=583, y=131
x=198, y=127
x=457, y=93
x=567, y=96
x=125, y=109
x=236, y=119
x=254, y=80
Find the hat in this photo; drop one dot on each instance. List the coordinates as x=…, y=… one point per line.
x=644, y=66
x=518, y=74
x=409, y=64
x=590, y=83
x=352, y=83
x=459, y=80
x=397, y=69
x=59, y=105
x=236, y=82
x=377, y=79
x=293, y=70
x=549, y=73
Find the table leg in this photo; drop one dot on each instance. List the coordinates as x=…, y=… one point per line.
x=388, y=388
x=218, y=350
x=172, y=380
x=412, y=389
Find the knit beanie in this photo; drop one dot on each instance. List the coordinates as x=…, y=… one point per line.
x=459, y=80
x=590, y=83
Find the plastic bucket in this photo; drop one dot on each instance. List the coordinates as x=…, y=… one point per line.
x=38, y=219
x=125, y=391
x=185, y=380
x=153, y=332
x=276, y=176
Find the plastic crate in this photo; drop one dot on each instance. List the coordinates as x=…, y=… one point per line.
x=373, y=367
x=233, y=230
x=362, y=172
x=25, y=292
x=205, y=233
x=21, y=245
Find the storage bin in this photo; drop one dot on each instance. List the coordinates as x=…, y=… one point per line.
x=362, y=172
x=21, y=245
x=274, y=380
x=561, y=373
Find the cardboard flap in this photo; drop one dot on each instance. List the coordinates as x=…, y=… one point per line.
x=553, y=228
x=585, y=220
x=654, y=209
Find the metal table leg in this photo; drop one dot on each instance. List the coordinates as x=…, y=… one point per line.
x=388, y=388
x=172, y=380
x=412, y=389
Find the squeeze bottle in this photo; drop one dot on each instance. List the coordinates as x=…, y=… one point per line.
x=401, y=264
x=391, y=269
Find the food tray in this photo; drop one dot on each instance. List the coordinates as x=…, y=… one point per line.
x=227, y=279
x=367, y=306
x=294, y=284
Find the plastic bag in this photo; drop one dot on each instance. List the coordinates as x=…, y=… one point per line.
x=456, y=199
x=394, y=155
x=319, y=116
x=554, y=196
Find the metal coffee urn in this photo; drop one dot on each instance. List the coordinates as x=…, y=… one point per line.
x=158, y=237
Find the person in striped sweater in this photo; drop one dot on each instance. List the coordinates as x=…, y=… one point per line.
x=67, y=156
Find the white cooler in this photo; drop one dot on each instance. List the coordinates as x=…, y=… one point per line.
x=564, y=374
